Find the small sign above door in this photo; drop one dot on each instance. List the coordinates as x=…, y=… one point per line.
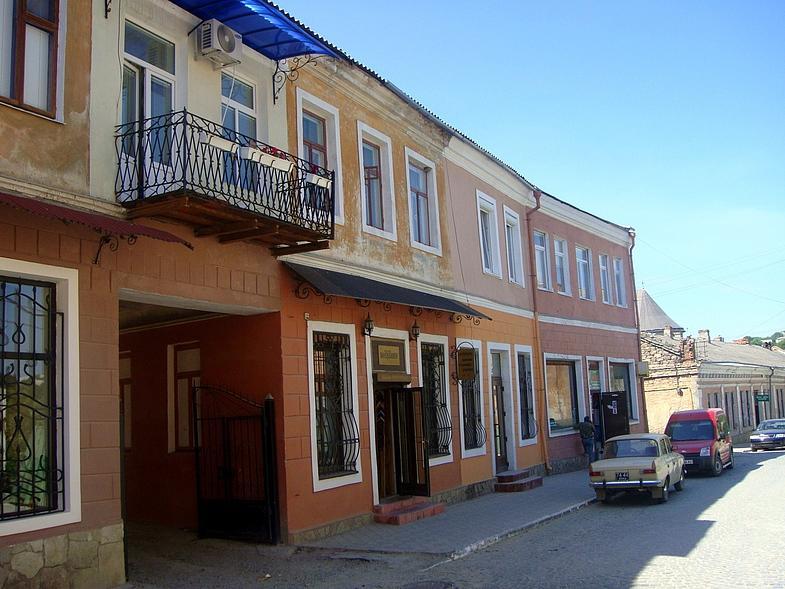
x=466, y=367
x=388, y=355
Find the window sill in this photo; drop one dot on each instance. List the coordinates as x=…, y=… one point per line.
x=527, y=442
x=474, y=452
x=545, y=288
x=339, y=480
x=492, y=273
x=564, y=294
x=517, y=282
x=562, y=433
x=437, y=251
x=439, y=460
x=371, y=230
x=52, y=119
x=40, y=522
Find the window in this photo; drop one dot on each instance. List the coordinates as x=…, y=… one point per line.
x=562, y=266
x=434, y=383
x=745, y=416
x=618, y=281
x=471, y=408
x=541, y=261
x=605, y=281
x=238, y=117
x=585, y=277
x=622, y=380
x=126, y=401
x=318, y=131
x=489, y=234
x=595, y=376
x=512, y=236
x=187, y=375
x=730, y=408
x=526, y=396
x=29, y=53
x=377, y=183
x=423, y=205
x=562, y=392
x=337, y=437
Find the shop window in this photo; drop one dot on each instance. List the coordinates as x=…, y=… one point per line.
x=337, y=433
x=434, y=382
x=526, y=396
x=622, y=380
x=187, y=376
x=562, y=392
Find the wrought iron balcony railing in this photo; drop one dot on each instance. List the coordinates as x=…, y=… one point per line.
x=183, y=154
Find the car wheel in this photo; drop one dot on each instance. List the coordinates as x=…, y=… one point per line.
x=730, y=462
x=716, y=465
x=680, y=485
x=665, y=491
x=753, y=449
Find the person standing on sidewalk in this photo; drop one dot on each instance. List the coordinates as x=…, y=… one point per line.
x=586, y=429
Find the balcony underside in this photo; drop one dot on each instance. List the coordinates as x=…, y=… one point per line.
x=214, y=218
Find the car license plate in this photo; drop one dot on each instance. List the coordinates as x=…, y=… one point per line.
x=688, y=461
x=622, y=476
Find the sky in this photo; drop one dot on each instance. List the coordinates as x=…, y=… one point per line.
x=666, y=116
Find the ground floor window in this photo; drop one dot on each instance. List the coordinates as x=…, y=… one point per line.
x=780, y=402
x=471, y=399
x=31, y=399
x=187, y=376
x=526, y=396
x=562, y=389
x=746, y=409
x=434, y=384
x=730, y=409
x=621, y=380
x=337, y=433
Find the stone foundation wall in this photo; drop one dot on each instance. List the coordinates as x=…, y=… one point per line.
x=570, y=464
x=92, y=559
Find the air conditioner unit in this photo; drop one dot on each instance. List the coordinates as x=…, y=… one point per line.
x=219, y=43
x=643, y=368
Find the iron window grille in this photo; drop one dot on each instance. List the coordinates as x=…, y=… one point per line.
x=473, y=430
x=31, y=400
x=436, y=409
x=528, y=426
x=337, y=434
x=181, y=153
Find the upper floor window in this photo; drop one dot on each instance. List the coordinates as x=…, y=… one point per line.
x=318, y=130
x=512, y=236
x=618, y=280
x=605, y=280
x=585, y=277
x=543, y=267
x=562, y=266
x=378, y=202
x=238, y=117
x=489, y=234
x=28, y=54
x=423, y=206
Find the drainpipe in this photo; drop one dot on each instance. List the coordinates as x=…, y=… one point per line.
x=771, y=393
x=543, y=419
x=644, y=413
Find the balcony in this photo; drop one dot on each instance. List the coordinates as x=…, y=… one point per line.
x=185, y=168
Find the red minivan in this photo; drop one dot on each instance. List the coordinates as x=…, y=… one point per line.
x=703, y=437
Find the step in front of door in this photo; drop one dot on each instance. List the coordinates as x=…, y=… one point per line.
x=407, y=513
x=510, y=476
x=519, y=485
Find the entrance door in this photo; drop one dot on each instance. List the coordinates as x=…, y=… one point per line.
x=499, y=429
x=411, y=442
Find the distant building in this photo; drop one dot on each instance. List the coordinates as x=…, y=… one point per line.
x=748, y=382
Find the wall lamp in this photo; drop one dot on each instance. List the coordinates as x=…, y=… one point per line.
x=368, y=326
x=414, y=331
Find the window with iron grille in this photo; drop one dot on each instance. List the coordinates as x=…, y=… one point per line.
x=31, y=402
x=473, y=429
x=435, y=389
x=528, y=427
x=337, y=434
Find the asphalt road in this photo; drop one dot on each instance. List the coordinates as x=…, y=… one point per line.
x=719, y=532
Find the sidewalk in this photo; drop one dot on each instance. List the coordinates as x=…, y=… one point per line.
x=471, y=525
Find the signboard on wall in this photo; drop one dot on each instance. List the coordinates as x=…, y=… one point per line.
x=388, y=355
x=466, y=367
x=762, y=397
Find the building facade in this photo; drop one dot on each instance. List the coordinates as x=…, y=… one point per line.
x=233, y=294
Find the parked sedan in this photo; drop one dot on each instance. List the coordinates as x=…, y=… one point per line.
x=769, y=434
x=638, y=462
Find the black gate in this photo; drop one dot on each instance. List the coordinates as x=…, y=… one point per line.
x=236, y=482
x=610, y=411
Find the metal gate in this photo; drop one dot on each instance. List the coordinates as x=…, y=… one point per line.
x=611, y=413
x=236, y=477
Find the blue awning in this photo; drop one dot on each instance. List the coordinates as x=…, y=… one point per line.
x=264, y=27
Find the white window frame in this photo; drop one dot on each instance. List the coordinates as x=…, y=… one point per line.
x=513, y=220
x=67, y=292
x=444, y=341
x=349, y=479
x=482, y=450
x=564, y=255
x=332, y=122
x=523, y=349
x=580, y=393
x=590, y=294
x=546, y=256
x=619, y=284
x=487, y=205
x=384, y=143
x=412, y=157
x=230, y=102
x=633, y=385
x=606, y=277
x=504, y=350
x=603, y=374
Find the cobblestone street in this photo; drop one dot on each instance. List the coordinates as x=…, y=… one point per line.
x=719, y=532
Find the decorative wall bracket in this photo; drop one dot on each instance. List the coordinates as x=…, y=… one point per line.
x=303, y=290
x=458, y=318
x=113, y=242
x=289, y=69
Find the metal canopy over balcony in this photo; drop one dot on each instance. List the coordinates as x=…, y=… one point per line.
x=183, y=167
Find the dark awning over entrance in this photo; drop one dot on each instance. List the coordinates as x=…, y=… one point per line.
x=340, y=284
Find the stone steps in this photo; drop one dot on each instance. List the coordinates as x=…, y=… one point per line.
x=406, y=511
x=516, y=481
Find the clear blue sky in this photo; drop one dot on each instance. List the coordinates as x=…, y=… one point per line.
x=666, y=116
